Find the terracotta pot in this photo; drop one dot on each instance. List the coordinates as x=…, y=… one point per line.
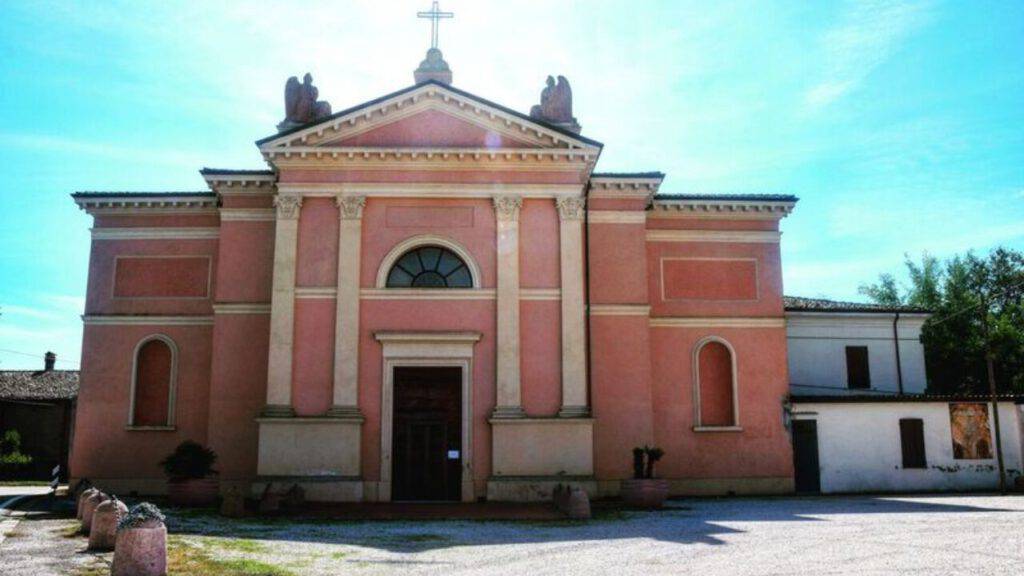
x=81, y=500
x=89, y=507
x=141, y=551
x=193, y=492
x=646, y=493
x=103, y=533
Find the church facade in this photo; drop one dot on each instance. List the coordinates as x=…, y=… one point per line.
x=430, y=296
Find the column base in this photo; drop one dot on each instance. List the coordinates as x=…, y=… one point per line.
x=345, y=413
x=501, y=412
x=277, y=411
x=574, y=412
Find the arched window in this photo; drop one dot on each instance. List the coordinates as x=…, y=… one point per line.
x=715, y=391
x=153, y=379
x=429, y=267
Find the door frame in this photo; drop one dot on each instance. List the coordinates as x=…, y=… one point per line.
x=426, y=349
x=813, y=423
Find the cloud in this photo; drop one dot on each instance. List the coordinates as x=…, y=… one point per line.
x=869, y=32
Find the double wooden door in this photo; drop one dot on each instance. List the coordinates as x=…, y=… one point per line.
x=427, y=449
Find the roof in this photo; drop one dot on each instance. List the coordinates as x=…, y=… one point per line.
x=627, y=175
x=801, y=304
x=206, y=171
x=868, y=398
x=38, y=384
x=484, y=101
x=727, y=197
x=116, y=194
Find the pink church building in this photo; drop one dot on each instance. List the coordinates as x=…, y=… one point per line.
x=430, y=296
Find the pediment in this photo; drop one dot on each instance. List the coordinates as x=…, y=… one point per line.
x=429, y=116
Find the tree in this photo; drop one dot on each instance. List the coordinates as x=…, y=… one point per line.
x=977, y=306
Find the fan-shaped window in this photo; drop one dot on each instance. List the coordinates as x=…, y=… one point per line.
x=429, y=267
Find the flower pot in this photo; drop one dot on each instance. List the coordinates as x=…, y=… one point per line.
x=646, y=493
x=103, y=533
x=141, y=551
x=194, y=491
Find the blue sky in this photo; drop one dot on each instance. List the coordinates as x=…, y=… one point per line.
x=898, y=124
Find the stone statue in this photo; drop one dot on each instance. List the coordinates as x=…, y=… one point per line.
x=556, y=104
x=300, y=103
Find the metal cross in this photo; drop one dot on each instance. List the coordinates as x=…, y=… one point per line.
x=435, y=15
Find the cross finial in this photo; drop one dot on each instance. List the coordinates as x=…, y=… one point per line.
x=435, y=16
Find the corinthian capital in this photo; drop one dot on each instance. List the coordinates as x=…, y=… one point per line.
x=507, y=208
x=570, y=208
x=350, y=207
x=287, y=206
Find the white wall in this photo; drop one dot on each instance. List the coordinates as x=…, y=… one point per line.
x=817, y=344
x=859, y=448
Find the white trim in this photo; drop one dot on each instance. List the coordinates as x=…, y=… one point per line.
x=738, y=236
x=620, y=310
x=616, y=217
x=315, y=292
x=725, y=207
x=148, y=204
x=401, y=349
x=155, y=233
x=429, y=190
x=431, y=156
x=141, y=320
x=540, y=294
x=413, y=242
x=248, y=214
x=427, y=294
x=730, y=322
x=697, y=425
x=172, y=384
x=242, y=308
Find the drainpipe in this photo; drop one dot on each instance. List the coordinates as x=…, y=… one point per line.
x=586, y=286
x=896, y=342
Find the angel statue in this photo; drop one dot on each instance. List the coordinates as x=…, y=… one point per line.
x=556, y=104
x=300, y=103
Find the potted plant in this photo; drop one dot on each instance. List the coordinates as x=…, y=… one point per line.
x=644, y=490
x=191, y=479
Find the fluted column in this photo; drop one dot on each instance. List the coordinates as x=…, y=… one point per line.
x=574, y=357
x=509, y=396
x=346, y=327
x=282, y=308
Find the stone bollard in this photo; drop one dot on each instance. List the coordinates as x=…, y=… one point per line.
x=141, y=547
x=233, y=504
x=103, y=534
x=89, y=508
x=81, y=500
x=577, y=504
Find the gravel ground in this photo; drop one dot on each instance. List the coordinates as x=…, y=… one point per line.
x=835, y=535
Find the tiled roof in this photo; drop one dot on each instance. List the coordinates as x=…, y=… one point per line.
x=727, y=197
x=854, y=398
x=801, y=304
x=38, y=384
x=234, y=172
x=627, y=175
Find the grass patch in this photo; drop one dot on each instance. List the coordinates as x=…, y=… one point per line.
x=71, y=530
x=184, y=558
x=235, y=544
x=24, y=483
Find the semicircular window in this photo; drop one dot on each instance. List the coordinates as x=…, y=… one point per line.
x=429, y=267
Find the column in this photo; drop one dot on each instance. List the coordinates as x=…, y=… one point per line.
x=574, y=357
x=282, y=308
x=509, y=403
x=346, y=327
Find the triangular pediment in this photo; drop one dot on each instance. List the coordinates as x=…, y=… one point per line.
x=426, y=116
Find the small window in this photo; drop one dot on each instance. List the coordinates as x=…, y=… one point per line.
x=858, y=376
x=429, y=267
x=912, y=442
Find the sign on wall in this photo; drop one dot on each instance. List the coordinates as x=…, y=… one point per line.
x=968, y=422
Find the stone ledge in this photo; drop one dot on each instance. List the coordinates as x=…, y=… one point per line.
x=534, y=488
x=317, y=488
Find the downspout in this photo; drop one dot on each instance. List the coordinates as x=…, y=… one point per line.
x=896, y=342
x=586, y=286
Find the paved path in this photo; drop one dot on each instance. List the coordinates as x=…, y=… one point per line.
x=10, y=496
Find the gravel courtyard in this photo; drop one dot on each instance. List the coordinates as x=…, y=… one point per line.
x=840, y=535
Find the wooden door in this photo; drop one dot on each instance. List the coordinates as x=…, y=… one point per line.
x=805, y=456
x=427, y=449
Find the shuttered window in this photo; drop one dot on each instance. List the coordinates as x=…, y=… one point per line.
x=912, y=441
x=857, y=374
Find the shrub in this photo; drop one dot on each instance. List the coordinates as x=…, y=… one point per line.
x=190, y=460
x=11, y=457
x=644, y=460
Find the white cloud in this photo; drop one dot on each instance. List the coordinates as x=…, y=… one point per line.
x=870, y=31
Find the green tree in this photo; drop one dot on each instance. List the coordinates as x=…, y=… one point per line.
x=978, y=307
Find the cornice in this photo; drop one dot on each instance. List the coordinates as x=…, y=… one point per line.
x=736, y=236
x=722, y=208
x=132, y=320
x=146, y=203
x=616, y=217
x=725, y=322
x=625, y=187
x=430, y=190
x=369, y=158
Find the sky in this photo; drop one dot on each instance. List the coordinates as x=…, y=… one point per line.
x=897, y=124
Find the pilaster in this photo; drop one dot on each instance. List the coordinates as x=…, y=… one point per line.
x=346, y=328
x=509, y=395
x=282, y=308
x=574, y=361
